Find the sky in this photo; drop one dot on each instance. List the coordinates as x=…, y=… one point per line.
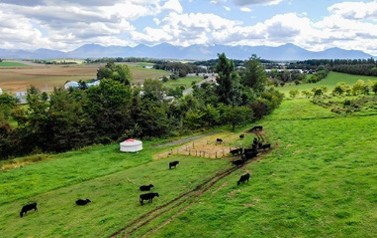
x=68, y=24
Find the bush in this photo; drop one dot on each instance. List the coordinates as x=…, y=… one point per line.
x=293, y=93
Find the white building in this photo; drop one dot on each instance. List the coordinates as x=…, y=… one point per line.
x=131, y=145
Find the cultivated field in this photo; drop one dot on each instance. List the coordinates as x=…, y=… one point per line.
x=46, y=77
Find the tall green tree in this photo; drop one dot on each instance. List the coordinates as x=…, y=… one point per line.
x=227, y=90
x=109, y=107
x=70, y=126
x=254, y=75
x=117, y=72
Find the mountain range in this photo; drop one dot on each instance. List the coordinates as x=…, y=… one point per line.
x=193, y=52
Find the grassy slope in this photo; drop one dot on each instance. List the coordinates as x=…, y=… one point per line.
x=320, y=181
x=330, y=82
x=109, y=178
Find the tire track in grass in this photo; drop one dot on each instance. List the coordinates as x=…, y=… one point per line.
x=164, y=209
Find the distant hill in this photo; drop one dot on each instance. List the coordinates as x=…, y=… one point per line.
x=193, y=52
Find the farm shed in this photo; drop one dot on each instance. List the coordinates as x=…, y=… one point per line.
x=131, y=145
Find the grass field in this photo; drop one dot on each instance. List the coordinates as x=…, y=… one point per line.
x=186, y=82
x=14, y=79
x=11, y=64
x=318, y=181
x=330, y=82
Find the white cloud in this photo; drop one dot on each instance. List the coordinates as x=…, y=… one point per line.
x=355, y=10
x=173, y=5
x=71, y=23
x=245, y=9
x=251, y=2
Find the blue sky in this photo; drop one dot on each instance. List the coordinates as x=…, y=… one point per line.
x=68, y=24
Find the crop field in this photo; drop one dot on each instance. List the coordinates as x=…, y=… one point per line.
x=46, y=77
x=330, y=82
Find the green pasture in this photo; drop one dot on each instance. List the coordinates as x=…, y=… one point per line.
x=109, y=178
x=186, y=82
x=319, y=181
x=330, y=82
x=140, y=73
x=11, y=64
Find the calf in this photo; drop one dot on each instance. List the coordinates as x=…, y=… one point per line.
x=82, y=202
x=219, y=141
x=146, y=187
x=244, y=178
x=266, y=146
x=27, y=208
x=147, y=196
x=238, y=162
x=236, y=151
x=242, y=136
x=173, y=164
x=256, y=128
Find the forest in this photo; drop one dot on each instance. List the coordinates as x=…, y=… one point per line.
x=116, y=109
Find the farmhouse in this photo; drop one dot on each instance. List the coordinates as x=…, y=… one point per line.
x=131, y=145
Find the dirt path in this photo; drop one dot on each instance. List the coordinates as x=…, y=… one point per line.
x=186, y=200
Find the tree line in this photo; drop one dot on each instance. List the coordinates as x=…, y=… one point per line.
x=350, y=66
x=115, y=110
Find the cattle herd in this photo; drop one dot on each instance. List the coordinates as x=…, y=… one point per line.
x=244, y=153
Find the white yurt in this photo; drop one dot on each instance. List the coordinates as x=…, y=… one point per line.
x=131, y=145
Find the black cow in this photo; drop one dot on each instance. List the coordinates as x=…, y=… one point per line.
x=147, y=196
x=219, y=141
x=27, y=208
x=242, y=136
x=236, y=151
x=82, y=202
x=173, y=164
x=256, y=128
x=250, y=153
x=238, y=162
x=243, y=178
x=266, y=146
x=146, y=187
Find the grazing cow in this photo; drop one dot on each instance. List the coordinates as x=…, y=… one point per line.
x=238, y=162
x=82, y=202
x=243, y=178
x=27, y=208
x=173, y=164
x=146, y=187
x=219, y=141
x=266, y=146
x=242, y=136
x=236, y=151
x=256, y=128
x=250, y=153
x=147, y=196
